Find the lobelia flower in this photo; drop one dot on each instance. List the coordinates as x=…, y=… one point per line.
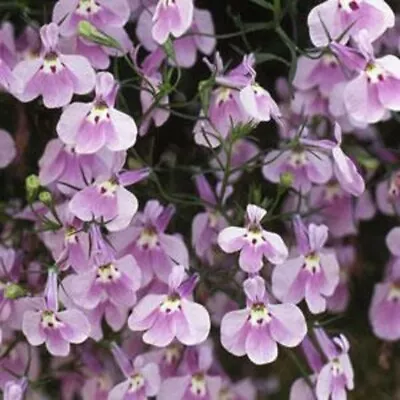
x=155, y=251
x=63, y=169
x=8, y=57
x=194, y=379
x=344, y=169
x=339, y=301
x=171, y=17
x=256, y=330
x=253, y=242
x=337, y=374
x=375, y=90
x=384, y=312
x=28, y=43
x=243, y=154
x=57, y=329
x=104, y=16
x=172, y=315
x=333, y=18
x=388, y=195
x=142, y=379
x=14, y=390
x=91, y=126
x=338, y=210
x=242, y=390
x=116, y=281
x=53, y=75
x=225, y=110
x=207, y=225
x=199, y=37
x=107, y=201
x=150, y=90
x=313, y=271
x=306, y=161
x=8, y=150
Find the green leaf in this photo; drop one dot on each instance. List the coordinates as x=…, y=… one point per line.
x=264, y=57
x=263, y=4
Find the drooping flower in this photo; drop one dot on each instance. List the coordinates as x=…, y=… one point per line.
x=57, y=329
x=313, y=271
x=253, y=242
x=337, y=374
x=155, y=251
x=258, y=328
x=142, y=379
x=388, y=194
x=172, y=315
x=89, y=127
x=53, y=75
x=333, y=18
x=207, y=225
x=107, y=201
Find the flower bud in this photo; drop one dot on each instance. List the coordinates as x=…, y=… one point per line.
x=32, y=185
x=286, y=179
x=46, y=198
x=91, y=33
x=13, y=291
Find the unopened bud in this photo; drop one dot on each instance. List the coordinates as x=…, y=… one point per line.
x=13, y=291
x=46, y=198
x=91, y=33
x=286, y=179
x=32, y=185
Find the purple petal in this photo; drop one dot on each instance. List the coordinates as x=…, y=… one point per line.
x=260, y=347
x=77, y=328
x=32, y=329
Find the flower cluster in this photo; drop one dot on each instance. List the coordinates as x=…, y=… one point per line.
x=130, y=269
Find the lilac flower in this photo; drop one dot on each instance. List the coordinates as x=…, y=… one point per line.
x=165, y=317
x=306, y=161
x=253, y=242
x=154, y=250
x=207, y=225
x=258, y=328
x=116, y=281
x=337, y=374
x=199, y=37
x=107, y=201
x=63, y=169
x=53, y=75
x=142, y=379
x=171, y=18
x=339, y=16
x=375, y=90
x=313, y=272
x=194, y=379
x=45, y=324
x=91, y=126
x=7, y=149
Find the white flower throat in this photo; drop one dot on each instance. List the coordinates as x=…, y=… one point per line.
x=87, y=7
